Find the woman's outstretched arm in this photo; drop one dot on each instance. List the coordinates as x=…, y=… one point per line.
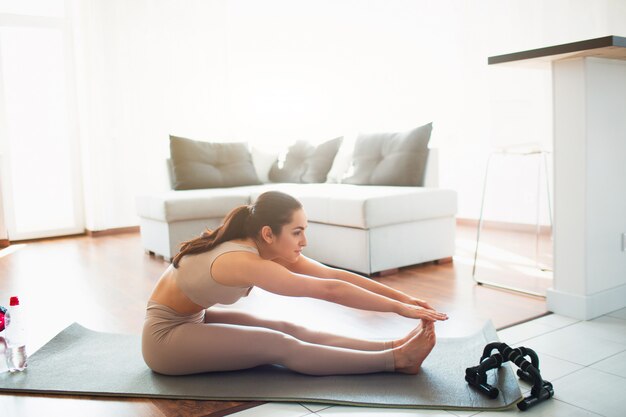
x=309, y=266
x=244, y=269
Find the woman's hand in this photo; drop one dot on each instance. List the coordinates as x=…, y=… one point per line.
x=420, y=312
x=419, y=302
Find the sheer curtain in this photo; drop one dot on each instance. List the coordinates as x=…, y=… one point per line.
x=40, y=179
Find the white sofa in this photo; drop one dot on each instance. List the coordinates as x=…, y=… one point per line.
x=363, y=228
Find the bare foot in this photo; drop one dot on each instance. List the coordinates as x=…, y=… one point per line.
x=409, y=357
x=409, y=336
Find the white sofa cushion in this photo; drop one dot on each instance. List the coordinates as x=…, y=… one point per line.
x=180, y=205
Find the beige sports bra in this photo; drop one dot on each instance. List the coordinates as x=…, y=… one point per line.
x=193, y=276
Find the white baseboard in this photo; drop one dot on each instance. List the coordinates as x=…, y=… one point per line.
x=586, y=307
x=114, y=231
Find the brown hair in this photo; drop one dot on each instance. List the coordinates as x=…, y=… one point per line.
x=272, y=208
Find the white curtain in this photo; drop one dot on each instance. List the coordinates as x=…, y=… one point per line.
x=40, y=171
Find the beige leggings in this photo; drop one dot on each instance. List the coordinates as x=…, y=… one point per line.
x=213, y=340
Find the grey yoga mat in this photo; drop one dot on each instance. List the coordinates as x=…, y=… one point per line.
x=81, y=361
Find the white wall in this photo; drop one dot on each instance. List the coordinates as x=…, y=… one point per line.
x=275, y=71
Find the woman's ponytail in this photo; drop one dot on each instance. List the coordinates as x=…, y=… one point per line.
x=234, y=227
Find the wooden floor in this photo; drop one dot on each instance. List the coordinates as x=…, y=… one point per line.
x=104, y=283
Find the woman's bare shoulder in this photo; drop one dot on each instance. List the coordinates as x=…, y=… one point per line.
x=240, y=268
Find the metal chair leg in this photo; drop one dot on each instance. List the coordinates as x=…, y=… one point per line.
x=480, y=217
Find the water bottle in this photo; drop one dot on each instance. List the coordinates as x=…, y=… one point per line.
x=15, y=353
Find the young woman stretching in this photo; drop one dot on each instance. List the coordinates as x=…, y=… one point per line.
x=260, y=246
